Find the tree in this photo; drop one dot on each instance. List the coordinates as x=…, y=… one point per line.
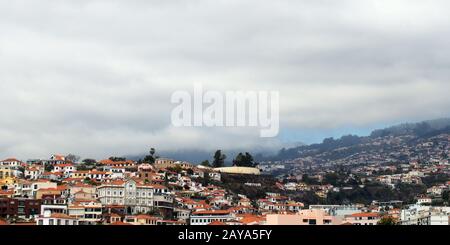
x=206, y=179
x=219, y=159
x=89, y=162
x=244, y=160
x=205, y=163
x=117, y=159
x=72, y=158
x=49, y=167
x=150, y=158
x=387, y=220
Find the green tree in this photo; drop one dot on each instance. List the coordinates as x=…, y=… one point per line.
x=205, y=163
x=244, y=160
x=206, y=179
x=219, y=159
x=150, y=158
x=89, y=162
x=49, y=167
x=387, y=220
x=117, y=159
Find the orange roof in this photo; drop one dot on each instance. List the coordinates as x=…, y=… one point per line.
x=11, y=160
x=61, y=216
x=3, y=222
x=217, y=223
x=120, y=223
x=223, y=212
x=365, y=215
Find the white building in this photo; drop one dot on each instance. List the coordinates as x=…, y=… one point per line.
x=363, y=218
x=49, y=218
x=33, y=172
x=208, y=216
x=425, y=215
x=136, y=197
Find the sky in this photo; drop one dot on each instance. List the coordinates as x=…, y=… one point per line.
x=94, y=78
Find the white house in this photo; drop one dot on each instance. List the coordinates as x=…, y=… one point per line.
x=206, y=217
x=49, y=218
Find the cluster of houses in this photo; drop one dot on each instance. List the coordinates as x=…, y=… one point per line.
x=168, y=192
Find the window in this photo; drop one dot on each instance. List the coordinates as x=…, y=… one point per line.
x=50, y=222
x=312, y=222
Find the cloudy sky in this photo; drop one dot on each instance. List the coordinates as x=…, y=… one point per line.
x=95, y=77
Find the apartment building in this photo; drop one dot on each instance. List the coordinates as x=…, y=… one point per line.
x=136, y=196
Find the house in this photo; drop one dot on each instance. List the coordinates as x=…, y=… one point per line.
x=164, y=163
x=41, y=184
x=65, y=168
x=12, y=163
x=424, y=200
x=363, y=218
x=49, y=218
x=304, y=217
x=142, y=219
x=54, y=160
x=33, y=172
x=6, y=172
x=206, y=217
x=89, y=212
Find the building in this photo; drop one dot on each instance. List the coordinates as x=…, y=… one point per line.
x=206, y=217
x=137, y=197
x=164, y=163
x=304, y=217
x=11, y=162
x=49, y=218
x=6, y=172
x=363, y=218
x=425, y=215
x=19, y=207
x=86, y=212
x=239, y=170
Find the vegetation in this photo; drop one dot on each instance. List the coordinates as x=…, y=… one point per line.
x=244, y=160
x=117, y=159
x=72, y=158
x=375, y=191
x=150, y=158
x=219, y=159
x=387, y=220
x=236, y=184
x=205, y=163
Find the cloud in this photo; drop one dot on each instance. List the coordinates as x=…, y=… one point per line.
x=95, y=77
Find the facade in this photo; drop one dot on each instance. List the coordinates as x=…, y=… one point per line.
x=304, y=217
x=207, y=217
x=86, y=213
x=19, y=207
x=49, y=218
x=363, y=218
x=425, y=215
x=137, y=197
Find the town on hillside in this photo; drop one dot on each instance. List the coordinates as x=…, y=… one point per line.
x=65, y=190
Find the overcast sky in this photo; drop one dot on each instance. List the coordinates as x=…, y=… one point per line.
x=95, y=77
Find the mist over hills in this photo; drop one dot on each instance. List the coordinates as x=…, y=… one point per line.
x=415, y=131
x=423, y=129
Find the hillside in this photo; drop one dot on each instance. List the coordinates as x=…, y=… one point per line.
x=412, y=141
